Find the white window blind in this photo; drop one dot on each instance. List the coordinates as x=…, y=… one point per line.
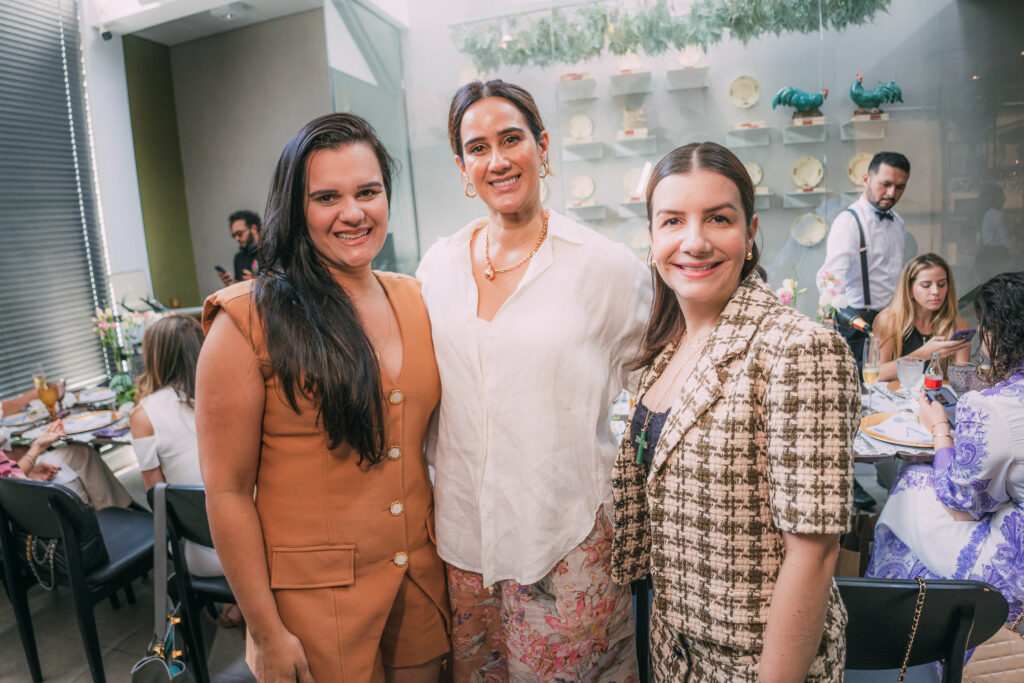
x=53, y=270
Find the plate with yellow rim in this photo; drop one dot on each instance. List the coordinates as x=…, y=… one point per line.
x=81, y=423
x=858, y=168
x=744, y=91
x=808, y=172
x=898, y=427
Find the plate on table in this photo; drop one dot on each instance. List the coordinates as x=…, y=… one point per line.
x=580, y=127
x=754, y=171
x=808, y=229
x=744, y=91
x=858, y=168
x=96, y=395
x=581, y=187
x=900, y=428
x=23, y=418
x=88, y=422
x=808, y=172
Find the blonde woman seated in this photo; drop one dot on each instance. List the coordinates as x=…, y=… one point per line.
x=921, y=317
x=163, y=422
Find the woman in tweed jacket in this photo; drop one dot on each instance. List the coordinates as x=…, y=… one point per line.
x=736, y=507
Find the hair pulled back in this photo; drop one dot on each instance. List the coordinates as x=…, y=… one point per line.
x=471, y=93
x=170, y=351
x=317, y=347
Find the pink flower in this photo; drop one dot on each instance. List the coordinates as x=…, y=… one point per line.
x=785, y=297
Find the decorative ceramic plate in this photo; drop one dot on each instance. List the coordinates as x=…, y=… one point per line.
x=96, y=395
x=807, y=172
x=690, y=56
x=580, y=127
x=808, y=229
x=581, y=187
x=900, y=428
x=744, y=91
x=631, y=181
x=87, y=422
x=543, y=191
x=639, y=239
x=858, y=168
x=754, y=171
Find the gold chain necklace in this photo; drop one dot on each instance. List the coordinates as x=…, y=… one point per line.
x=641, y=439
x=491, y=270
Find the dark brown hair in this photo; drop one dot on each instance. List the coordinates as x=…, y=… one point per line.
x=317, y=347
x=170, y=351
x=471, y=93
x=666, y=323
x=999, y=305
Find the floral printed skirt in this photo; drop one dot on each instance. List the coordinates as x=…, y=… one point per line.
x=575, y=624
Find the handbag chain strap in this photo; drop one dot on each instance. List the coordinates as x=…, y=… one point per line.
x=1020, y=617
x=46, y=560
x=913, y=628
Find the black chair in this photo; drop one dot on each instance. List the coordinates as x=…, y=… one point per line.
x=51, y=511
x=956, y=616
x=187, y=521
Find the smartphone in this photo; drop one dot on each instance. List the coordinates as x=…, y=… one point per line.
x=963, y=335
x=947, y=399
x=220, y=269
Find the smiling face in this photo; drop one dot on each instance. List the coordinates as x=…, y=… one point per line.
x=500, y=156
x=885, y=186
x=699, y=237
x=930, y=287
x=345, y=205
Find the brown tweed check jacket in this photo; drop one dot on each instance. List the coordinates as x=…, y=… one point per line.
x=758, y=442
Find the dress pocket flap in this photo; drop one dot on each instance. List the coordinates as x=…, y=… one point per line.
x=319, y=566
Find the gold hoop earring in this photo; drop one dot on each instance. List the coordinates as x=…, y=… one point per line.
x=470, y=190
x=545, y=169
x=750, y=255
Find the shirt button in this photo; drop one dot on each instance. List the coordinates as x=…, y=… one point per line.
x=395, y=452
x=396, y=397
x=397, y=508
x=401, y=559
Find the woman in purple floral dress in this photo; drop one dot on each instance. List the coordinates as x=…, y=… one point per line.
x=963, y=516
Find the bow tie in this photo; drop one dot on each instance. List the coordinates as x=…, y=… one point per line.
x=884, y=215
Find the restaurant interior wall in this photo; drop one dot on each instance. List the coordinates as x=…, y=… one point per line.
x=239, y=96
x=960, y=64
x=160, y=177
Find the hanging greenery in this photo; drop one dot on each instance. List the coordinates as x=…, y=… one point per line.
x=579, y=34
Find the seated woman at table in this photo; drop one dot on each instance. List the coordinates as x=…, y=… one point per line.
x=163, y=422
x=962, y=517
x=921, y=317
x=93, y=481
x=734, y=483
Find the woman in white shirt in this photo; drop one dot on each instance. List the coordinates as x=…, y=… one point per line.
x=163, y=422
x=534, y=319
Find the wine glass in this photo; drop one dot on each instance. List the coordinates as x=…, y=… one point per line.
x=49, y=394
x=909, y=370
x=38, y=376
x=872, y=365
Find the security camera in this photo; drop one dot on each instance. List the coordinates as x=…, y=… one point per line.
x=105, y=33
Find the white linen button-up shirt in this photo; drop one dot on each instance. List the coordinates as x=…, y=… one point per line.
x=886, y=241
x=522, y=448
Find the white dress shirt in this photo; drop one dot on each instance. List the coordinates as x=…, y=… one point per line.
x=886, y=241
x=522, y=447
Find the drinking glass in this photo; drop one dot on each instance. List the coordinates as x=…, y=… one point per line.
x=49, y=394
x=909, y=370
x=959, y=376
x=38, y=376
x=872, y=365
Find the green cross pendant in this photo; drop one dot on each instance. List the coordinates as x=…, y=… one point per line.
x=641, y=445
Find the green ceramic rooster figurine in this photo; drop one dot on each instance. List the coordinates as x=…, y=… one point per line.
x=869, y=101
x=807, y=105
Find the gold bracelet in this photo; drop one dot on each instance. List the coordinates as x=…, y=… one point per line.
x=947, y=433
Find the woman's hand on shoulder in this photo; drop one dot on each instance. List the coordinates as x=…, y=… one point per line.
x=281, y=658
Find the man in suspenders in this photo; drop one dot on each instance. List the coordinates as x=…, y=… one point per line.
x=866, y=248
x=867, y=242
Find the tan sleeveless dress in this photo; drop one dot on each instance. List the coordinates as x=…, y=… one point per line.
x=350, y=550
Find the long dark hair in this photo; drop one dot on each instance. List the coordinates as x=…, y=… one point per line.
x=170, y=350
x=316, y=345
x=666, y=323
x=999, y=304
x=471, y=93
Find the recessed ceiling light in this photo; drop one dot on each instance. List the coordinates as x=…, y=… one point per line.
x=975, y=77
x=231, y=11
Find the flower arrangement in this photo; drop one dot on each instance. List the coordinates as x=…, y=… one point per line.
x=833, y=296
x=114, y=332
x=789, y=291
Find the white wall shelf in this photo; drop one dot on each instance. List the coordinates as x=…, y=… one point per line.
x=588, y=212
x=577, y=89
x=804, y=199
x=687, y=79
x=633, y=83
x=748, y=137
x=862, y=130
x=804, y=133
x=762, y=201
x=582, y=151
x=636, y=147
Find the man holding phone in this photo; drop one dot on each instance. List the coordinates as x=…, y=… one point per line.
x=245, y=229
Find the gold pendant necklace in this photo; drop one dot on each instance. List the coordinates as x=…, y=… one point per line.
x=491, y=270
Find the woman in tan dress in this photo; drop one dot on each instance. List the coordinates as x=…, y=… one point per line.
x=314, y=390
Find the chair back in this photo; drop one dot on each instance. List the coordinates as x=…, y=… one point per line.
x=955, y=616
x=186, y=511
x=37, y=507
